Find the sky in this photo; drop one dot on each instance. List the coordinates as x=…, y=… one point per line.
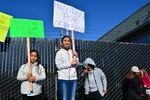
x=100, y=15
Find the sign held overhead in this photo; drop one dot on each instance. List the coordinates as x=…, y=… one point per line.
x=26, y=28
x=68, y=17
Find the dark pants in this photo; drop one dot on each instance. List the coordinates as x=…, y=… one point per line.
x=25, y=97
x=95, y=96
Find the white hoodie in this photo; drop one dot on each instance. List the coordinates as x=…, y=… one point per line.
x=99, y=77
x=37, y=71
x=63, y=63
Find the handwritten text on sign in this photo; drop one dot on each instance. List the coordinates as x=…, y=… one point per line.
x=68, y=17
x=26, y=28
x=4, y=25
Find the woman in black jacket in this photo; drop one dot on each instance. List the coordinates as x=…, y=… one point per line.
x=131, y=86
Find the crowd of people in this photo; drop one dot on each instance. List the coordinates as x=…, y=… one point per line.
x=135, y=86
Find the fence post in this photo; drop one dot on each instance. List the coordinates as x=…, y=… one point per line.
x=55, y=86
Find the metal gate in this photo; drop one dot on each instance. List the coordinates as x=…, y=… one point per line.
x=115, y=59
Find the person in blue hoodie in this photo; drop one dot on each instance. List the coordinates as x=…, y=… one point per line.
x=66, y=61
x=95, y=81
x=37, y=75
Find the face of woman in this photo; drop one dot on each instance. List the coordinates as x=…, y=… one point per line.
x=137, y=73
x=141, y=73
x=66, y=43
x=33, y=57
x=89, y=68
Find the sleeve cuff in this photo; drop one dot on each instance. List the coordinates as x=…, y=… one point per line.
x=86, y=92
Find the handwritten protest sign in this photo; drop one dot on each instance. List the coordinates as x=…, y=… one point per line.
x=26, y=28
x=4, y=25
x=68, y=17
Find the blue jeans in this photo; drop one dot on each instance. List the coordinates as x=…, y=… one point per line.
x=67, y=89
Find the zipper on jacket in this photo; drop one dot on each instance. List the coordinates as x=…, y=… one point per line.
x=70, y=62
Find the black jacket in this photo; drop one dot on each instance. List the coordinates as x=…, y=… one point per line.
x=131, y=89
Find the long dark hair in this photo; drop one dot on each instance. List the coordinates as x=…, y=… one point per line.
x=38, y=56
x=66, y=36
x=91, y=66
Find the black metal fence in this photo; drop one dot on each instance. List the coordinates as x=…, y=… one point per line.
x=115, y=59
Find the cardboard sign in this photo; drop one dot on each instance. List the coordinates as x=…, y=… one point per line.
x=4, y=25
x=26, y=28
x=68, y=17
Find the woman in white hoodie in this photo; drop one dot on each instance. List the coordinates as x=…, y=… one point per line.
x=66, y=61
x=38, y=74
x=95, y=82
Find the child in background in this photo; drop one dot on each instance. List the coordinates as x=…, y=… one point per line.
x=95, y=82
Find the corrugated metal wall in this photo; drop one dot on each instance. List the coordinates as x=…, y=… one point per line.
x=115, y=59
